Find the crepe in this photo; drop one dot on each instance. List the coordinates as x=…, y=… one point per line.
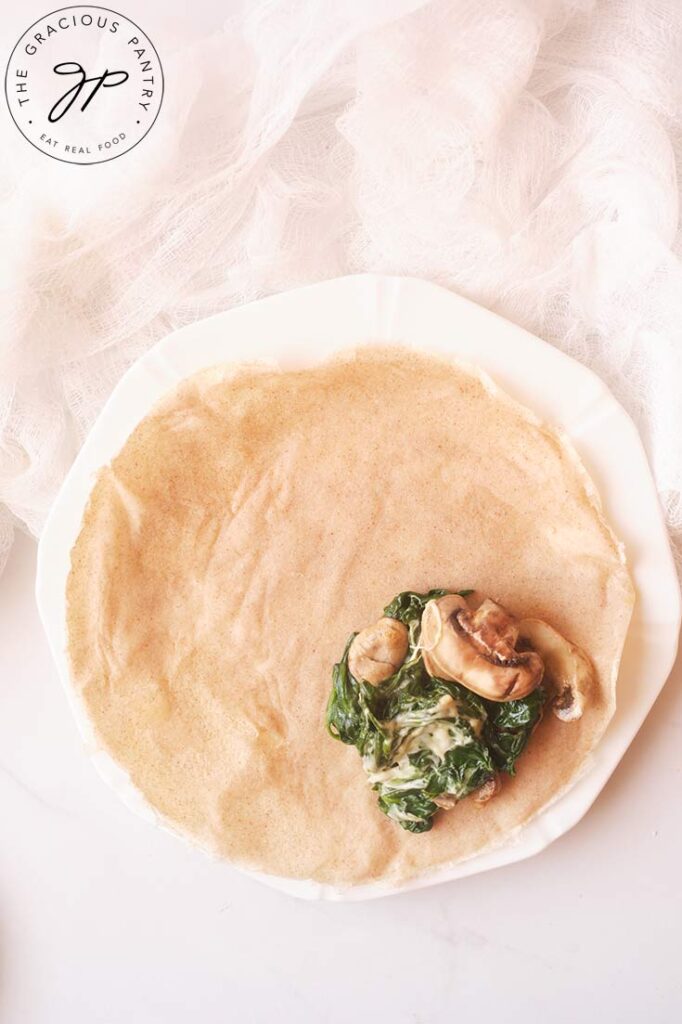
x=251, y=522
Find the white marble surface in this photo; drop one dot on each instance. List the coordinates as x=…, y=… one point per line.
x=104, y=919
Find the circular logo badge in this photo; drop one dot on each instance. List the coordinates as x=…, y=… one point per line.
x=84, y=84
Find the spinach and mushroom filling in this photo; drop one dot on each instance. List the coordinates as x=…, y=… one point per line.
x=439, y=699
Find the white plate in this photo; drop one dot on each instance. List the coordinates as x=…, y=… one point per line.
x=303, y=326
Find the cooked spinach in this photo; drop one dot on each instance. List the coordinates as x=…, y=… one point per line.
x=421, y=737
x=509, y=727
x=409, y=605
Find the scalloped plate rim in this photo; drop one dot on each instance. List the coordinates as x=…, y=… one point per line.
x=381, y=296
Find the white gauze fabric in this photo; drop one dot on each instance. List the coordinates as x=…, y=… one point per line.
x=525, y=154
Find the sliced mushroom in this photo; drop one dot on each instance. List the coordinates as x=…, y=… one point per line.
x=567, y=668
x=488, y=790
x=378, y=651
x=477, y=649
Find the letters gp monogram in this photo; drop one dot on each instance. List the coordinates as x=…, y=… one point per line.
x=84, y=84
